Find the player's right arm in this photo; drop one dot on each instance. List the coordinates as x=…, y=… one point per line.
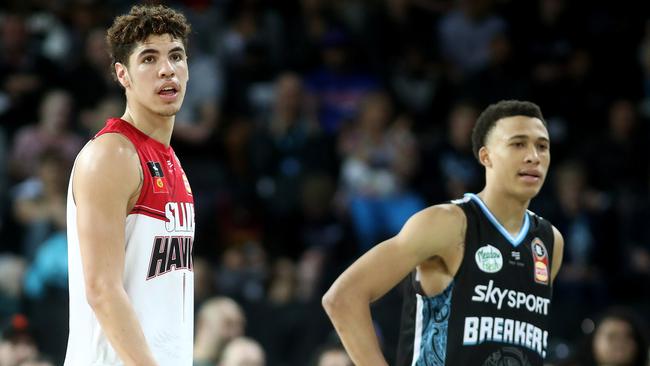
x=107, y=177
x=434, y=231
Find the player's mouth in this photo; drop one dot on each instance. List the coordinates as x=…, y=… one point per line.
x=530, y=175
x=169, y=91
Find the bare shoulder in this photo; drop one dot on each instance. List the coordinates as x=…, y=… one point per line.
x=435, y=228
x=107, y=148
x=109, y=162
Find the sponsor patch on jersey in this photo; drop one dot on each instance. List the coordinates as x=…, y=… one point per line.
x=489, y=259
x=540, y=261
x=155, y=169
x=159, y=185
x=157, y=175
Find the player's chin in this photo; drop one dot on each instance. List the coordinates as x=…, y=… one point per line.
x=168, y=111
x=528, y=192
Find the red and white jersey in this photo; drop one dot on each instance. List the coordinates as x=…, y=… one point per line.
x=158, y=267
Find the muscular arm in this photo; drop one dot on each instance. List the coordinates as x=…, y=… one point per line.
x=106, y=178
x=429, y=232
x=558, y=252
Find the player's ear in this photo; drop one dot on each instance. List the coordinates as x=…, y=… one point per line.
x=122, y=75
x=484, y=157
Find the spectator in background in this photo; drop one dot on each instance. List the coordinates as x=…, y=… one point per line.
x=17, y=344
x=466, y=34
x=51, y=132
x=39, y=203
x=243, y=270
x=219, y=321
x=625, y=142
x=12, y=270
x=619, y=339
x=379, y=157
x=454, y=169
x=90, y=80
x=332, y=355
x=243, y=351
x=24, y=73
x=199, y=116
x=338, y=85
x=40, y=206
x=93, y=119
x=502, y=77
x=286, y=145
x=589, y=267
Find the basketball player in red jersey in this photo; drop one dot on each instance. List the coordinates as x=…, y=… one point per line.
x=130, y=209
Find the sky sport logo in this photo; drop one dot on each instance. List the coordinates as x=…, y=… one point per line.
x=489, y=259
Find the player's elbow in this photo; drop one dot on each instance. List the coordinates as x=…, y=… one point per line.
x=98, y=292
x=334, y=301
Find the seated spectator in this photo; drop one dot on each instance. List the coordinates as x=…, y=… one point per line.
x=17, y=344
x=338, y=86
x=243, y=352
x=332, y=355
x=51, y=133
x=12, y=269
x=619, y=339
x=450, y=169
x=219, y=321
x=40, y=202
x=287, y=144
x=379, y=159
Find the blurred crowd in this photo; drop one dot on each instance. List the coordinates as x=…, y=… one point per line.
x=310, y=131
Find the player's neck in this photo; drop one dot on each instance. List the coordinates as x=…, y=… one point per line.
x=508, y=210
x=155, y=126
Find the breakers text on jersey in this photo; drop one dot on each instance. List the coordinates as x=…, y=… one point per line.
x=494, y=329
x=175, y=251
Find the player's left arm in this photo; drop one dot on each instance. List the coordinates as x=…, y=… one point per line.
x=558, y=251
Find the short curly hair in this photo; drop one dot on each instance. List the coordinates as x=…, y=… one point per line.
x=141, y=22
x=497, y=111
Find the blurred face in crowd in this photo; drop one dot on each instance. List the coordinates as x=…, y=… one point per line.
x=55, y=112
x=243, y=352
x=517, y=156
x=614, y=343
x=220, y=319
x=461, y=122
x=156, y=75
x=334, y=358
x=289, y=89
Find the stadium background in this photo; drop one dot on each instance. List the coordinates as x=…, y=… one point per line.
x=311, y=128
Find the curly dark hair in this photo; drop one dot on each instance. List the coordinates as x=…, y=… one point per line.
x=497, y=111
x=141, y=22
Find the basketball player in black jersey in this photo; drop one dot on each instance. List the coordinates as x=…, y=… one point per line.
x=479, y=269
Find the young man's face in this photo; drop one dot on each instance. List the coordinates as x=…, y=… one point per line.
x=517, y=155
x=156, y=75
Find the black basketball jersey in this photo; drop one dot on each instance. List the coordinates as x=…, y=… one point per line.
x=495, y=311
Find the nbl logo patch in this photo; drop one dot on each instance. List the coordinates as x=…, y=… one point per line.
x=157, y=176
x=540, y=259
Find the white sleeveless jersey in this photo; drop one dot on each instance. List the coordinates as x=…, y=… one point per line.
x=158, y=267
